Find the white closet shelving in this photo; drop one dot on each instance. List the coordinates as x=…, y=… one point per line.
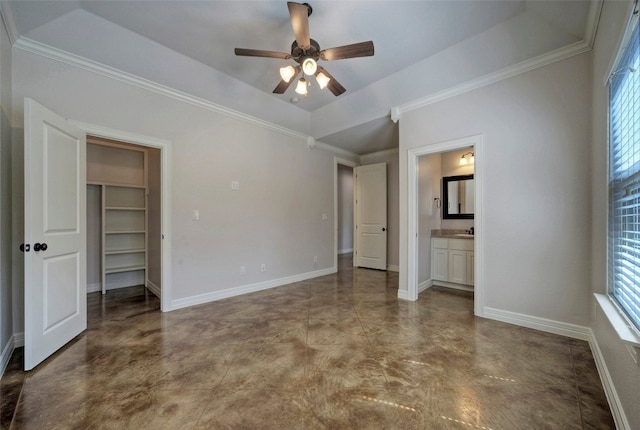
x=121, y=172
x=124, y=241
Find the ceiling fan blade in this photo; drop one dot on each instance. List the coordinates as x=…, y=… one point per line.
x=362, y=49
x=259, y=53
x=300, y=22
x=333, y=85
x=283, y=85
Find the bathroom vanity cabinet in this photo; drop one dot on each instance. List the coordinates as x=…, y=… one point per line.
x=452, y=261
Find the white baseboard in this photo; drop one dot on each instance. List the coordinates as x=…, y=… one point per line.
x=452, y=285
x=576, y=332
x=425, y=285
x=94, y=288
x=403, y=294
x=619, y=416
x=15, y=341
x=393, y=268
x=345, y=251
x=154, y=289
x=6, y=355
x=537, y=323
x=245, y=289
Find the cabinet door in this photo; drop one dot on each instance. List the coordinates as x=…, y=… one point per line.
x=439, y=263
x=470, y=268
x=458, y=266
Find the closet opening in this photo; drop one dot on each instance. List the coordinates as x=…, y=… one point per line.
x=123, y=216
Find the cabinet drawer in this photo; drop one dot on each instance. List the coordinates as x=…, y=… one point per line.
x=461, y=244
x=440, y=243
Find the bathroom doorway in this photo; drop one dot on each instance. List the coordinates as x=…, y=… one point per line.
x=417, y=234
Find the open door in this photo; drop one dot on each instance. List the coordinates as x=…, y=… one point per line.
x=54, y=233
x=371, y=216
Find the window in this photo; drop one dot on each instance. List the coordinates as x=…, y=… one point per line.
x=624, y=179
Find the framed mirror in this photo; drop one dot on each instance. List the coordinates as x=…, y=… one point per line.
x=458, y=197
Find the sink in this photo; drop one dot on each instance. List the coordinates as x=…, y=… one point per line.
x=464, y=235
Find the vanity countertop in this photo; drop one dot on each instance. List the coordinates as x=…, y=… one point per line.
x=451, y=234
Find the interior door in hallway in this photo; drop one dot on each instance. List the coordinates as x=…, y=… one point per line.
x=54, y=233
x=371, y=216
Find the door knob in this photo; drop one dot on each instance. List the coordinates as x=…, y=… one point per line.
x=384, y=229
x=25, y=248
x=39, y=247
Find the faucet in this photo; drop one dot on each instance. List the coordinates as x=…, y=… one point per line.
x=471, y=231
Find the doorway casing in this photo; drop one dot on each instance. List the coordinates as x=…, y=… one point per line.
x=165, y=185
x=348, y=163
x=411, y=266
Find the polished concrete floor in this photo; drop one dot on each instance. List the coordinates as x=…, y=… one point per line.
x=337, y=352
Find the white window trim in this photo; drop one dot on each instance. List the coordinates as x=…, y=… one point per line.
x=619, y=321
x=622, y=325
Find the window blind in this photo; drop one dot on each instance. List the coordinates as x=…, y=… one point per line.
x=624, y=180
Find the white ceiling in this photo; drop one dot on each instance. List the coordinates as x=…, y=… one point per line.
x=409, y=38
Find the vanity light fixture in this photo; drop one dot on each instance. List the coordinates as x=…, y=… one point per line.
x=463, y=159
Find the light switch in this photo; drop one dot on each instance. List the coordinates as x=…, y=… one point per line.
x=325, y=217
x=235, y=185
x=196, y=214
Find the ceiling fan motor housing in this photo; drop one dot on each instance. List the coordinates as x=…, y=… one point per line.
x=300, y=55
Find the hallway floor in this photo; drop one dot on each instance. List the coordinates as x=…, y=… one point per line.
x=337, y=352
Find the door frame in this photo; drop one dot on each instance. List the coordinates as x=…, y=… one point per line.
x=165, y=199
x=353, y=165
x=477, y=142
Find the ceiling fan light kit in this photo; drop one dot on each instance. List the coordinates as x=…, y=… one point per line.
x=286, y=73
x=301, y=88
x=306, y=52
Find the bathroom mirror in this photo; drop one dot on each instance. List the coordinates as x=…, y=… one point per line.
x=458, y=197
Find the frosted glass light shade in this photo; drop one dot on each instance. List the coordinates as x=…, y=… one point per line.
x=309, y=66
x=322, y=80
x=286, y=73
x=463, y=161
x=301, y=88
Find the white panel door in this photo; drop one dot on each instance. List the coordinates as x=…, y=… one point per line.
x=371, y=216
x=55, y=233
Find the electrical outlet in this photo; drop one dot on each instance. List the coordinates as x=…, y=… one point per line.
x=243, y=270
x=263, y=267
x=315, y=259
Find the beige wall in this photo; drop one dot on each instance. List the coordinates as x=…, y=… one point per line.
x=536, y=131
x=274, y=218
x=7, y=241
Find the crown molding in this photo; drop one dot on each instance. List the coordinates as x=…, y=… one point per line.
x=577, y=48
x=9, y=22
x=593, y=18
x=68, y=58
x=491, y=78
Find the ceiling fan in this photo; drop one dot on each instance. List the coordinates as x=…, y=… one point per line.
x=306, y=52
